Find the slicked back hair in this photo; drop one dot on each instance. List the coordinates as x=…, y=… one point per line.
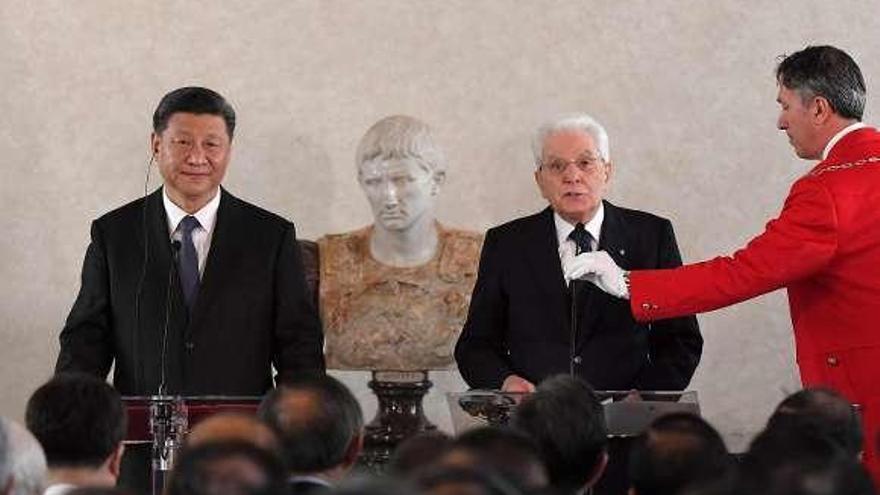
x=828, y=72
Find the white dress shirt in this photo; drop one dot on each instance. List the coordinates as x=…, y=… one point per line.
x=594, y=227
x=207, y=217
x=59, y=489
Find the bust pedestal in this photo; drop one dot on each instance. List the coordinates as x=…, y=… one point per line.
x=399, y=415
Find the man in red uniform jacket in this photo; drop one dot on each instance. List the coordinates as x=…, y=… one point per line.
x=824, y=247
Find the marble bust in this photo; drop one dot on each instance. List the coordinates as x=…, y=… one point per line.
x=394, y=295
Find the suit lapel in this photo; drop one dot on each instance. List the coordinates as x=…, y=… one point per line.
x=612, y=239
x=221, y=256
x=542, y=253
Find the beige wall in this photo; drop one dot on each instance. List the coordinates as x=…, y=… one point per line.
x=684, y=87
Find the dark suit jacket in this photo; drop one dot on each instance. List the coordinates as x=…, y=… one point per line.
x=252, y=310
x=519, y=320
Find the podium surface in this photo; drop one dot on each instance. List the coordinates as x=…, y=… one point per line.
x=627, y=413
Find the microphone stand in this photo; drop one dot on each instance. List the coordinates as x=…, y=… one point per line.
x=168, y=415
x=573, y=334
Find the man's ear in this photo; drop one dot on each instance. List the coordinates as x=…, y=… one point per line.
x=6, y=488
x=353, y=451
x=821, y=110
x=539, y=180
x=438, y=179
x=598, y=470
x=114, y=461
x=154, y=144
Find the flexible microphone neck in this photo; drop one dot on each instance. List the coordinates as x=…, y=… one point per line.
x=172, y=269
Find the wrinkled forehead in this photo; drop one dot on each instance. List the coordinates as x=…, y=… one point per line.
x=393, y=166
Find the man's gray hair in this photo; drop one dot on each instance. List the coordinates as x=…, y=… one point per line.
x=23, y=459
x=572, y=122
x=399, y=137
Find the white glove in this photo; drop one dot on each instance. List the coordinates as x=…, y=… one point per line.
x=598, y=268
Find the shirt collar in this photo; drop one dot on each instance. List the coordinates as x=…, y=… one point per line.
x=206, y=216
x=837, y=137
x=594, y=226
x=306, y=478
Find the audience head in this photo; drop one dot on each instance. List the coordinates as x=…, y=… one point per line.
x=786, y=459
x=505, y=451
x=226, y=468
x=465, y=480
x=373, y=485
x=23, y=468
x=319, y=422
x=194, y=100
x=565, y=419
x=675, y=451
x=419, y=452
x=233, y=427
x=824, y=410
x=80, y=422
x=100, y=490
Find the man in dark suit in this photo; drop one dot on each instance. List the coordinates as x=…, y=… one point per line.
x=191, y=290
x=519, y=327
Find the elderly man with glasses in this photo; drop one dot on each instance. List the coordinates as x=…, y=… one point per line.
x=526, y=323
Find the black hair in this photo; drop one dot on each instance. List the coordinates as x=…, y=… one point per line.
x=676, y=450
x=205, y=470
x=196, y=100
x=317, y=437
x=77, y=418
x=566, y=420
x=788, y=460
x=824, y=410
x=509, y=452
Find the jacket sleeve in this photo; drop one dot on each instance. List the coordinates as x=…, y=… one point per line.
x=87, y=336
x=801, y=241
x=481, y=350
x=675, y=344
x=299, y=340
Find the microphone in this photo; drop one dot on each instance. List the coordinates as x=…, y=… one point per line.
x=175, y=254
x=135, y=352
x=572, y=339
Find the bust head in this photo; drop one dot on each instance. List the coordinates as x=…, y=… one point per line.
x=400, y=170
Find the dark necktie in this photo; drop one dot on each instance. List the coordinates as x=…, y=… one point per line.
x=189, y=261
x=582, y=239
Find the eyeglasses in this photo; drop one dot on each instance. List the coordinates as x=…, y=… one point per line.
x=587, y=163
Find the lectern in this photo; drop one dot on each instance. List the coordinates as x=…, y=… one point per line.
x=161, y=422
